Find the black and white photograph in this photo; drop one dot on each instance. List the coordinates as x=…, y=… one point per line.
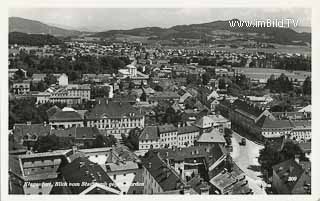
x=159, y=101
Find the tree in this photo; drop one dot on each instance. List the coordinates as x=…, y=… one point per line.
x=306, y=87
x=205, y=78
x=47, y=143
x=222, y=84
x=50, y=79
x=104, y=141
x=73, y=76
x=132, y=141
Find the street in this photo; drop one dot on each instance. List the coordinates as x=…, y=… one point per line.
x=246, y=157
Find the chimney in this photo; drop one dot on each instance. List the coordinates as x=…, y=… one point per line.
x=150, y=165
x=28, y=123
x=44, y=123
x=99, y=102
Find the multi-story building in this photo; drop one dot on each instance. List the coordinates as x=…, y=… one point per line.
x=71, y=94
x=187, y=136
x=77, y=90
x=301, y=130
x=156, y=137
x=274, y=128
x=159, y=178
x=114, y=118
x=32, y=170
x=168, y=135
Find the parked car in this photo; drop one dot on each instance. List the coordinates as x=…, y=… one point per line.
x=243, y=141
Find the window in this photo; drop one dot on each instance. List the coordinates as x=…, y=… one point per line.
x=114, y=177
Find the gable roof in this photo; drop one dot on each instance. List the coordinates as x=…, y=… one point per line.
x=167, y=128
x=164, y=175
x=214, y=136
x=66, y=116
x=187, y=129
x=77, y=132
x=149, y=133
x=245, y=107
x=265, y=122
x=290, y=168
x=83, y=170
x=52, y=110
x=20, y=130
x=113, y=110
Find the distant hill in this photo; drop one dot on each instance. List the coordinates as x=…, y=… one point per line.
x=17, y=24
x=205, y=30
x=32, y=39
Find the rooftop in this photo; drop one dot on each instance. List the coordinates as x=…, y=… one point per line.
x=110, y=109
x=82, y=170
x=164, y=175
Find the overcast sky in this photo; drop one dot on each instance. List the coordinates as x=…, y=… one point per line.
x=114, y=18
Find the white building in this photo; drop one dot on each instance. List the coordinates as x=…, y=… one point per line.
x=63, y=80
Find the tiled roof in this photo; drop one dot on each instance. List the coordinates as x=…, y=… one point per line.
x=167, y=128
x=149, y=133
x=214, y=136
x=204, y=122
x=77, y=132
x=66, y=116
x=231, y=182
x=187, y=129
x=210, y=153
x=164, y=175
x=52, y=110
x=266, y=122
x=290, y=168
x=305, y=146
x=20, y=130
x=83, y=170
x=247, y=108
x=197, y=183
x=113, y=110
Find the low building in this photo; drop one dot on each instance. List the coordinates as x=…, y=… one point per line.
x=292, y=177
x=78, y=136
x=27, y=134
x=211, y=138
x=87, y=177
x=66, y=118
x=35, y=172
x=21, y=88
